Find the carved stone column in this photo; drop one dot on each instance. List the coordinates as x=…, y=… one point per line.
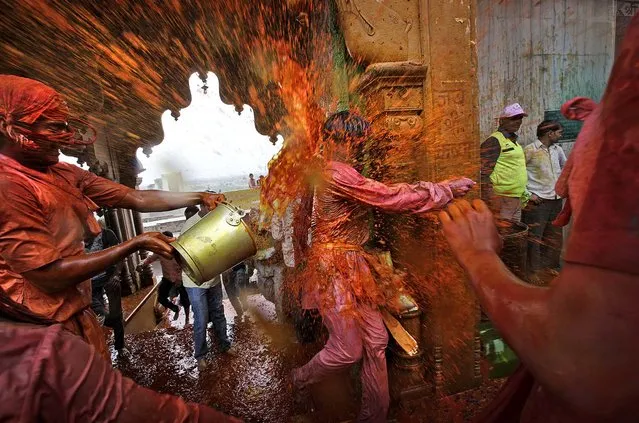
x=146, y=276
x=126, y=222
x=394, y=100
x=450, y=148
x=420, y=87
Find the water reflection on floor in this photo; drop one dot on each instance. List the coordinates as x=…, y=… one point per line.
x=253, y=383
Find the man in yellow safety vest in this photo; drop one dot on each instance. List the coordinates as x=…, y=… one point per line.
x=503, y=166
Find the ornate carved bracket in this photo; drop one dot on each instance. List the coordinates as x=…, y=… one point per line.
x=394, y=92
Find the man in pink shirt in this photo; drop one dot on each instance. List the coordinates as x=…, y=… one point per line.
x=341, y=284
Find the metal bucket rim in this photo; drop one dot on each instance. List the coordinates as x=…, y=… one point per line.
x=232, y=207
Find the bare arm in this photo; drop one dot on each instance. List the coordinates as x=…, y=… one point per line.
x=111, y=194
x=416, y=198
x=154, y=200
x=514, y=307
x=69, y=271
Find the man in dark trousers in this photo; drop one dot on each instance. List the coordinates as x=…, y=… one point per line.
x=544, y=160
x=108, y=282
x=171, y=277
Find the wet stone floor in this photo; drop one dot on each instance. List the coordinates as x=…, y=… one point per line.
x=252, y=383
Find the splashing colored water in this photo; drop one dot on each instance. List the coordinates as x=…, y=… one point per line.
x=124, y=63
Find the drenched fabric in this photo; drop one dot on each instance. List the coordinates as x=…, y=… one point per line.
x=44, y=217
x=53, y=376
x=350, y=341
x=339, y=280
x=605, y=157
x=23, y=101
x=340, y=276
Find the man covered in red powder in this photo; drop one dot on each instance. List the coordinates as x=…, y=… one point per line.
x=341, y=284
x=576, y=339
x=46, y=211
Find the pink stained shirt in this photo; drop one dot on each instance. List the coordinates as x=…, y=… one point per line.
x=341, y=274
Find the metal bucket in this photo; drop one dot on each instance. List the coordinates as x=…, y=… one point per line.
x=216, y=243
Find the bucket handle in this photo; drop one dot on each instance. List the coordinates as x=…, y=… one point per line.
x=235, y=217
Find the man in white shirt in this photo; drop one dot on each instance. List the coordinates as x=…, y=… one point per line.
x=207, y=305
x=544, y=161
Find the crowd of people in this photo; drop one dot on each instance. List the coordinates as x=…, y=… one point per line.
x=255, y=184
x=575, y=338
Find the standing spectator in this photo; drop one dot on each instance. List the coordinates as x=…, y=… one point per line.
x=503, y=166
x=108, y=282
x=252, y=183
x=105, y=239
x=171, y=277
x=260, y=181
x=206, y=301
x=544, y=161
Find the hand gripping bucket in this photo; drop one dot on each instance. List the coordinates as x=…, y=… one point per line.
x=216, y=243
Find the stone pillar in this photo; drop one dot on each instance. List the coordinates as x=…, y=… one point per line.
x=126, y=220
x=450, y=147
x=420, y=92
x=394, y=100
x=146, y=276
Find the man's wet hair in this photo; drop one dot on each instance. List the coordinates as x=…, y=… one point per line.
x=168, y=233
x=190, y=211
x=547, y=126
x=345, y=126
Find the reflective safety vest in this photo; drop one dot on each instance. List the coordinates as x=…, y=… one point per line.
x=509, y=177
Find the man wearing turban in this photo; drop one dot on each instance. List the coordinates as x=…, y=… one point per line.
x=46, y=211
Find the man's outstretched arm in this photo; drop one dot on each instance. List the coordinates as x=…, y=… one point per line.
x=419, y=197
x=154, y=200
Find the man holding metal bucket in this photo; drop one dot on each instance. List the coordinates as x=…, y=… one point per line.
x=46, y=211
